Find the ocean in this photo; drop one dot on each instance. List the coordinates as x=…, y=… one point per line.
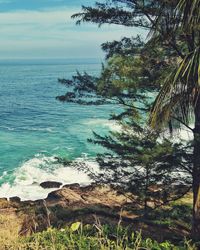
x=35, y=128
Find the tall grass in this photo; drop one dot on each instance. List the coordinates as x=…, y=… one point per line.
x=9, y=228
x=88, y=237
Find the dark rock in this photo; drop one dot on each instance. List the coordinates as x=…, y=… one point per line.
x=53, y=196
x=72, y=186
x=89, y=188
x=28, y=203
x=40, y=202
x=15, y=199
x=50, y=184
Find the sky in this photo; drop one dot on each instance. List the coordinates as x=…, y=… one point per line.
x=44, y=29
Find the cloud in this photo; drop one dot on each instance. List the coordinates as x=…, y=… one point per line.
x=52, y=33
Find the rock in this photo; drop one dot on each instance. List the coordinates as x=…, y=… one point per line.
x=69, y=196
x=90, y=187
x=15, y=199
x=53, y=196
x=3, y=199
x=50, y=184
x=72, y=186
x=4, y=204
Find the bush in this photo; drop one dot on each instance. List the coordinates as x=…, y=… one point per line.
x=79, y=237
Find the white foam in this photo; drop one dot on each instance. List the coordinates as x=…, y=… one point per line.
x=48, y=129
x=4, y=174
x=112, y=125
x=7, y=128
x=186, y=135
x=41, y=169
x=30, y=174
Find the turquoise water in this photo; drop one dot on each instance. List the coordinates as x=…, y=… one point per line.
x=35, y=127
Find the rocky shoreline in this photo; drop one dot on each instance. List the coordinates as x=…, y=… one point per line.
x=65, y=205
x=72, y=203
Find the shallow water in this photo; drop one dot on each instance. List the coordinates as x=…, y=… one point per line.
x=35, y=127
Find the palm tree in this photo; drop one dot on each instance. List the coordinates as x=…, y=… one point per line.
x=179, y=97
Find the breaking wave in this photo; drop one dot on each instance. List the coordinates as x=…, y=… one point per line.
x=30, y=174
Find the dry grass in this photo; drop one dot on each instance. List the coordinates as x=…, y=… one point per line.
x=9, y=228
x=10, y=239
x=186, y=200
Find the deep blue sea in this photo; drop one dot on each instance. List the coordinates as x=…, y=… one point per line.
x=35, y=127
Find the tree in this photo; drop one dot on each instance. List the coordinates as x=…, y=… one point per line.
x=170, y=62
x=138, y=160
x=179, y=97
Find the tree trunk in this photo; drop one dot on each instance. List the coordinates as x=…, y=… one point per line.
x=146, y=198
x=196, y=175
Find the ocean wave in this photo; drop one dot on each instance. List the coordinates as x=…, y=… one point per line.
x=7, y=128
x=180, y=134
x=30, y=174
x=112, y=125
x=4, y=174
x=186, y=134
x=48, y=129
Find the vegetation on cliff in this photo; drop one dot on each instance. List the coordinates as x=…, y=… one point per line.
x=156, y=83
x=106, y=220
x=88, y=237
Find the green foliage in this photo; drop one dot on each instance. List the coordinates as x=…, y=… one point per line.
x=179, y=94
x=120, y=76
x=93, y=238
x=140, y=160
x=143, y=165
x=75, y=226
x=176, y=214
x=137, y=159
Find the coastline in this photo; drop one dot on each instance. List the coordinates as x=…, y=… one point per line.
x=28, y=178
x=65, y=205
x=91, y=204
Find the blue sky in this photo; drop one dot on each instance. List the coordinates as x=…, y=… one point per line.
x=8, y=5
x=44, y=29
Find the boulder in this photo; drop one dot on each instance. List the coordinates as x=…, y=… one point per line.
x=66, y=196
x=72, y=186
x=50, y=184
x=53, y=196
x=15, y=199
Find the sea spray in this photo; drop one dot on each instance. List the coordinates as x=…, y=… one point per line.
x=28, y=177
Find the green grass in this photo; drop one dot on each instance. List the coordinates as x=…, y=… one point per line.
x=106, y=237
x=79, y=237
x=176, y=213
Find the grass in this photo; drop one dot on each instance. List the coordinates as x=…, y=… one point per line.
x=9, y=228
x=171, y=216
x=177, y=215
x=88, y=237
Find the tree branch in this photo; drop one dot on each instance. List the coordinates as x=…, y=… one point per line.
x=183, y=123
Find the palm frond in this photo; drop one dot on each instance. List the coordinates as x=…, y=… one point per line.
x=191, y=13
x=179, y=92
